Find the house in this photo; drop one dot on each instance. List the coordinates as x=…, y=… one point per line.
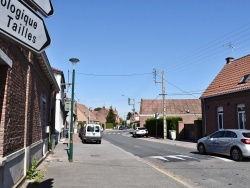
x=85, y=115
x=188, y=109
x=60, y=115
x=27, y=106
x=103, y=113
x=225, y=103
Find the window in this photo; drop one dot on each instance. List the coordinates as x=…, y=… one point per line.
x=241, y=116
x=97, y=129
x=43, y=110
x=218, y=134
x=90, y=129
x=220, y=117
x=244, y=79
x=230, y=134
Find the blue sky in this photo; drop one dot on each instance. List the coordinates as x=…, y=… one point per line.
x=120, y=42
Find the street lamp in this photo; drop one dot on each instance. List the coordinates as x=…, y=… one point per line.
x=73, y=61
x=90, y=111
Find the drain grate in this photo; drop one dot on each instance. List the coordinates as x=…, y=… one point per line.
x=95, y=155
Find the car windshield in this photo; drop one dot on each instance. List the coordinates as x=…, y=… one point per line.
x=97, y=129
x=93, y=129
x=246, y=134
x=141, y=128
x=90, y=129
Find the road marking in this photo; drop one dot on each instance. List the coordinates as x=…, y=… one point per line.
x=175, y=157
x=179, y=157
x=159, y=157
x=223, y=159
x=171, y=176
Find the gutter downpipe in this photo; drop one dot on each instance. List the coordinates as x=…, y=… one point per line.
x=205, y=119
x=26, y=118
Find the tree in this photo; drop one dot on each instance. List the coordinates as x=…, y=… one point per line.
x=111, y=116
x=129, y=115
x=97, y=109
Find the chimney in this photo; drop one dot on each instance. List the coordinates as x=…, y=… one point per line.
x=229, y=59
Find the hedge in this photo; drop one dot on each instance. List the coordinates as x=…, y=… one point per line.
x=109, y=125
x=172, y=124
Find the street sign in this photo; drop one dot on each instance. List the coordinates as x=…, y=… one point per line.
x=22, y=24
x=44, y=6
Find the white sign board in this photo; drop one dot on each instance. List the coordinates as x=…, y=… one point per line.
x=19, y=22
x=44, y=6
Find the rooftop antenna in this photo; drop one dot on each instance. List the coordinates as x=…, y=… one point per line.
x=230, y=46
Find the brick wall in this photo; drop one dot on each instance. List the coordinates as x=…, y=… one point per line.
x=229, y=103
x=3, y=80
x=12, y=128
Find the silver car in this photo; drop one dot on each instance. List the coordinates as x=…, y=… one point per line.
x=231, y=142
x=140, y=131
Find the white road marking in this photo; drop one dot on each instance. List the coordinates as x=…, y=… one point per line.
x=159, y=157
x=179, y=157
x=175, y=157
x=223, y=159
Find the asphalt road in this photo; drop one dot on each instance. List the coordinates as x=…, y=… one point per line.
x=185, y=163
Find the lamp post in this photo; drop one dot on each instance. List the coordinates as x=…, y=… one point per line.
x=90, y=111
x=73, y=61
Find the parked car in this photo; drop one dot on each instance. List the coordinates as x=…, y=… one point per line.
x=92, y=132
x=140, y=131
x=122, y=127
x=232, y=142
x=81, y=132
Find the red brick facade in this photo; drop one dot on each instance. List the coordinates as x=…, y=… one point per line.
x=25, y=99
x=229, y=103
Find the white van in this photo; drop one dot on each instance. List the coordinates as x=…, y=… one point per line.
x=92, y=132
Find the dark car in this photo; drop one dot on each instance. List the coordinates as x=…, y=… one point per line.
x=121, y=127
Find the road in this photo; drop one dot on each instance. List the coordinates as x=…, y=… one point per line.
x=184, y=164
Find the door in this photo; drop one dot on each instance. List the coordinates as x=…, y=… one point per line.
x=213, y=143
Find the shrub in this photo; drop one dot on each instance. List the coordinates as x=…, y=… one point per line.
x=34, y=174
x=109, y=126
x=172, y=124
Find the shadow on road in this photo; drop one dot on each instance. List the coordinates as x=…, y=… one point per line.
x=45, y=184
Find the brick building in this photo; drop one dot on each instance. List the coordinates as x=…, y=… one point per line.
x=225, y=103
x=27, y=105
x=188, y=109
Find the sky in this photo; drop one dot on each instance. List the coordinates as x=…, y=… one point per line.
x=120, y=42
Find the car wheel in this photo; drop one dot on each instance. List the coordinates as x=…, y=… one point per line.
x=201, y=148
x=100, y=142
x=146, y=135
x=236, y=154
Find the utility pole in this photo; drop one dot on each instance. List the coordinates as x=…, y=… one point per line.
x=164, y=108
x=133, y=107
x=163, y=102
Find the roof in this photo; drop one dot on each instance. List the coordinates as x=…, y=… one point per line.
x=83, y=113
x=228, y=79
x=43, y=59
x=173, y=106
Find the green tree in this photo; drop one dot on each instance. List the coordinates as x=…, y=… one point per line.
x=97, y=109
x=111, y=116
x=129, y=115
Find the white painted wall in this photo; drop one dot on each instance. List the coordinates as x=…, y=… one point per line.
x=59, y=115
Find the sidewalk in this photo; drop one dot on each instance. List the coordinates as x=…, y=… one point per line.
x=101, y=165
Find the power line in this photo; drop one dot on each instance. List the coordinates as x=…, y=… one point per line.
x=197, y=53
x=118, y=75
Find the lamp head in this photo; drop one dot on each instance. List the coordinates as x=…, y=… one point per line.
x=74, y=60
